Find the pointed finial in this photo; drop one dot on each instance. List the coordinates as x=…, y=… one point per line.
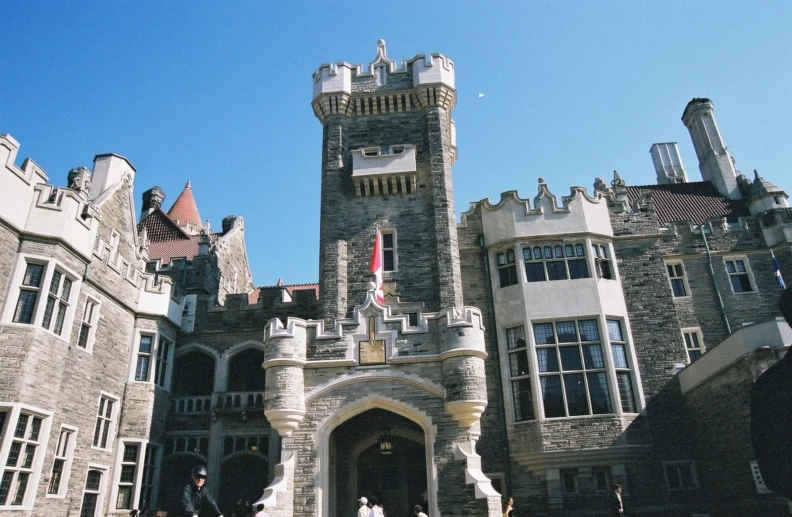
x=617, y=180
x=541, y=181
x=280, y=282
x=756, y=175
x=381, y=52
x=188, y=185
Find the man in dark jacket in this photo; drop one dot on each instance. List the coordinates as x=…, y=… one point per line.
x=771, y=417
x=616, y=503
x=194, y=500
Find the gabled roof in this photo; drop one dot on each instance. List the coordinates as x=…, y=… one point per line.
x=159, y=227
x=695, y=202
x=253, y=296
x=184, y=210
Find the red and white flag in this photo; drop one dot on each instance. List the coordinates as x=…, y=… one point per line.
x=376, y=267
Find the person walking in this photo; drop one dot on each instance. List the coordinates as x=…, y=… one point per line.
x=617, y=504
x=418, y=511
x=363, y=509
x=260, y=511
x=509, y=510
x=194, y=500
x=376, y=508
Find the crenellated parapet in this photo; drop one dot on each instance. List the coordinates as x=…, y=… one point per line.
x=452, y=340
x=382, y=87
x=42, y=209
x=513, y=217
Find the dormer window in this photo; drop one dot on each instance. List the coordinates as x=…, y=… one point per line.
x=397, y=149
x=371, y=151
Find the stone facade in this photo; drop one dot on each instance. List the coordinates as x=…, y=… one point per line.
x=542, y=348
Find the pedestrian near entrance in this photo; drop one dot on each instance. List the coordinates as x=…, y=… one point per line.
x=363, y=509
x=376, y=508
x=260, y=511
x=508, y=511
x=194, y=500
x=617, y=505
x=419, y=511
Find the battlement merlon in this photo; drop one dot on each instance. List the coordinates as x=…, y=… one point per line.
x=427, y=80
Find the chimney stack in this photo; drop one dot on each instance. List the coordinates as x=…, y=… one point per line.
x=152, y=200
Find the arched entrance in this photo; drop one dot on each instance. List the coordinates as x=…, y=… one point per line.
x=243, y=476
x=358, y=468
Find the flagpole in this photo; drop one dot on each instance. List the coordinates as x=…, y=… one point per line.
x=777, y=270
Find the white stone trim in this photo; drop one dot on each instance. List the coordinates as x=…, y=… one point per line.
x=14, y=410
x=113, y=420
x=100, y=500
x=12, y=294
x=67, y=466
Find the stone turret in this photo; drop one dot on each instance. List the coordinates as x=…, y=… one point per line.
x=715, y=163
x=762, y=195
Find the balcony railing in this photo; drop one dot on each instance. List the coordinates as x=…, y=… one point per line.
x=239, y=400
x=194, y=404
x=229, y=402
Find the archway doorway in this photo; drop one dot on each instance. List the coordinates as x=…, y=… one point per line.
x=358, y=468
x=244, y=477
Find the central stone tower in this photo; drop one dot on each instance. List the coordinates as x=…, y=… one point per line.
x=388, y=146
x=382, y=398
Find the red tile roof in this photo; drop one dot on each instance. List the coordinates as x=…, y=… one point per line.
x=253, y=297
x=184, y=210
x=695, y=202
x=159, y=227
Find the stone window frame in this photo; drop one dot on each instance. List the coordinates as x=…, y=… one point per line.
x=122, y=464
x=91, y=323
x=748, y=273
x=565, y=476
x=517, y=349
x=66, y=457
x=105, y=425
x=674, y=467
x=100, y=491
x=585, y=370
x=554, y=252
x=506, y=265
x=671, y=267
x=150, y=477
x=604, y=260
x=155, y=376
x=607, y=478
x=392, y=250
x=16, y=286
x=694, y=332
x=625, y=370
x=8, y=429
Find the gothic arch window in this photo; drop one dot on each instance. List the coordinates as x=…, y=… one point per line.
x=193, y=374
x=245, y=372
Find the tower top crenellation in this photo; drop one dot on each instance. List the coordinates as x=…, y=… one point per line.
x=423, y=69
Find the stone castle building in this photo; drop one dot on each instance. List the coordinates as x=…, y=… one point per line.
x=543, y=348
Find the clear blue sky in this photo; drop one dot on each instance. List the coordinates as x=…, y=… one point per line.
x=219, y=93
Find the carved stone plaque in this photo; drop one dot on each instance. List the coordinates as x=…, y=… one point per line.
x=373, y=350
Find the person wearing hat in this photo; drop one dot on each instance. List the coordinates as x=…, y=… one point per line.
x=194, y=500
x=363, y=508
